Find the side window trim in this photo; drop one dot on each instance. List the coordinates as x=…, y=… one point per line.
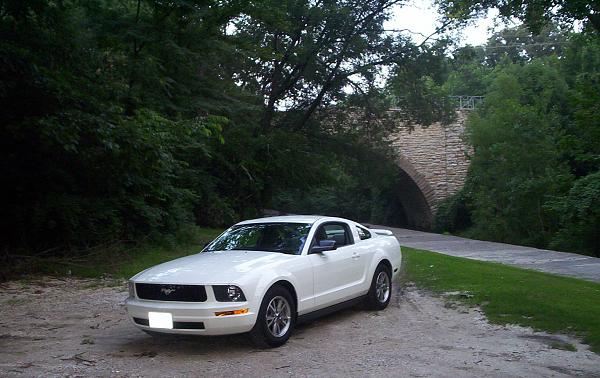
x=363, y=231
x=347, y=230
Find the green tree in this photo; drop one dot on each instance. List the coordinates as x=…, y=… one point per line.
x=515, y=167
x=536, y=155
x=519, y=44
x=123, y=119
x=579, y=213
x=468, y=72
x=94, y=127
x=299, y=54
x=533, y=13
x=416, y=85
x=581, y=69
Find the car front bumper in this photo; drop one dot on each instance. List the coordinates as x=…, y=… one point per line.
x=188, y=312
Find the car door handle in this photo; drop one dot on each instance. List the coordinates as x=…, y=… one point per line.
x=355, y=256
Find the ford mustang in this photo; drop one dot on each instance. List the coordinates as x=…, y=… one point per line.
x=262, y=276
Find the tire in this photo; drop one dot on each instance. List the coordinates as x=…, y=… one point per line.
x=276, y=318
x=380, y=292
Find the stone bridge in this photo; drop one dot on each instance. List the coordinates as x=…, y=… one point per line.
x=434, y=162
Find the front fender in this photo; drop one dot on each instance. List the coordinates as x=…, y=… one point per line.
x=272, y=276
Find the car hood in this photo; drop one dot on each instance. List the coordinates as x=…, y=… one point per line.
x=220, y=267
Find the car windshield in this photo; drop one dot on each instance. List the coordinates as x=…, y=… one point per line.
x=286, y=238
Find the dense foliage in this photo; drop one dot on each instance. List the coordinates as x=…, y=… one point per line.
x=127, y=119
x=535, y=14
x=122, y=120
x=98, y=131
x=534, y=173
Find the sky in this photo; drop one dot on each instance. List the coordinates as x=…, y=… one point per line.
x=420, y=17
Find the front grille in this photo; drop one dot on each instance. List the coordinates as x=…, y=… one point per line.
x=166, y=292
x=176, y=325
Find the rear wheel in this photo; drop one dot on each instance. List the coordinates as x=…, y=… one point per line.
x=380, y=292
x=276, y=318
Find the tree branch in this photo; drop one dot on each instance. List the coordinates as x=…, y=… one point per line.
x=437, y=31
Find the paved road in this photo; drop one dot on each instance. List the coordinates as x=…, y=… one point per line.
x=566, y=264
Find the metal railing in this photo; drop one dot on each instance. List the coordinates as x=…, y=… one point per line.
x=461, y=102
x=467, y=102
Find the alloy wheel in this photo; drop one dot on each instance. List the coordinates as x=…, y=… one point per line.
x=382, y=287
x=278, y=316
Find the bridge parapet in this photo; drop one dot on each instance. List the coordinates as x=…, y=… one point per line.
x=467, y=102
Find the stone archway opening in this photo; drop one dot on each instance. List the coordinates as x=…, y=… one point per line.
x=415, y=197
x=416, y=213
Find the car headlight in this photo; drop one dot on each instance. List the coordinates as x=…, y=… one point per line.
x=228, y=293
x=131, y=287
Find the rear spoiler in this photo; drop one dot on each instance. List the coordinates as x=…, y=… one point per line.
x=380, y=231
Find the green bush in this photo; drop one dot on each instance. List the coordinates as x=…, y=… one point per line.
x=453, y=214
x=579, y=217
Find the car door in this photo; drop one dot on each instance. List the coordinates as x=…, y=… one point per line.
x=337, y=273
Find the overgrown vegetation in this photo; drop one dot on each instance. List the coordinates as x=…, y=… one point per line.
x=533, y=177
x=118, y=260
x=128, y=120
x=509, y=295
x=125, y=121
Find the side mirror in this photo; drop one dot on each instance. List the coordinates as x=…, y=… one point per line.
x=324, y=245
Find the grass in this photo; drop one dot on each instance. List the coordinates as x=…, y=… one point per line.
x=510, y=295
x=120, y=261
x=563, y=346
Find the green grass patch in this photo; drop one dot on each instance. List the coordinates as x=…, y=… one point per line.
x=510, y=295
x=122, y=260
x=563, y=346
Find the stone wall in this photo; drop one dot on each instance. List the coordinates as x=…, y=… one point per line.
x=435, y=157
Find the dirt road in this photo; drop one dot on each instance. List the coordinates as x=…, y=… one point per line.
x=78, y=327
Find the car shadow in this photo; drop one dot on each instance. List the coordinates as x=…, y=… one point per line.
x=140, y=344
x=144, y=345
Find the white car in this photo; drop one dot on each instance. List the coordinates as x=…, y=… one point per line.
x=263, y=275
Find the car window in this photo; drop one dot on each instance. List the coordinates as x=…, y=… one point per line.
x=333, y=231
x=286, y=238
x=363, y=233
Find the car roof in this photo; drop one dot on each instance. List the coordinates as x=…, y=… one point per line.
x=292, y=219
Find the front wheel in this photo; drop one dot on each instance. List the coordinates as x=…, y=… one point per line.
x=276, y=318
x=380, y=292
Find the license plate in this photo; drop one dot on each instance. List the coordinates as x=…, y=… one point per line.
x=160, y=320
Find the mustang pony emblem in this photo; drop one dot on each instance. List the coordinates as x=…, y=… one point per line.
x=166, y=291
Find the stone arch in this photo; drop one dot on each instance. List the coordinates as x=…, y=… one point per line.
x=416, y=196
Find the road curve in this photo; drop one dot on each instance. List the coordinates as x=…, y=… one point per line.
x=562, y=263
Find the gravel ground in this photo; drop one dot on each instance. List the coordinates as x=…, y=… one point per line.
x=77, y=327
